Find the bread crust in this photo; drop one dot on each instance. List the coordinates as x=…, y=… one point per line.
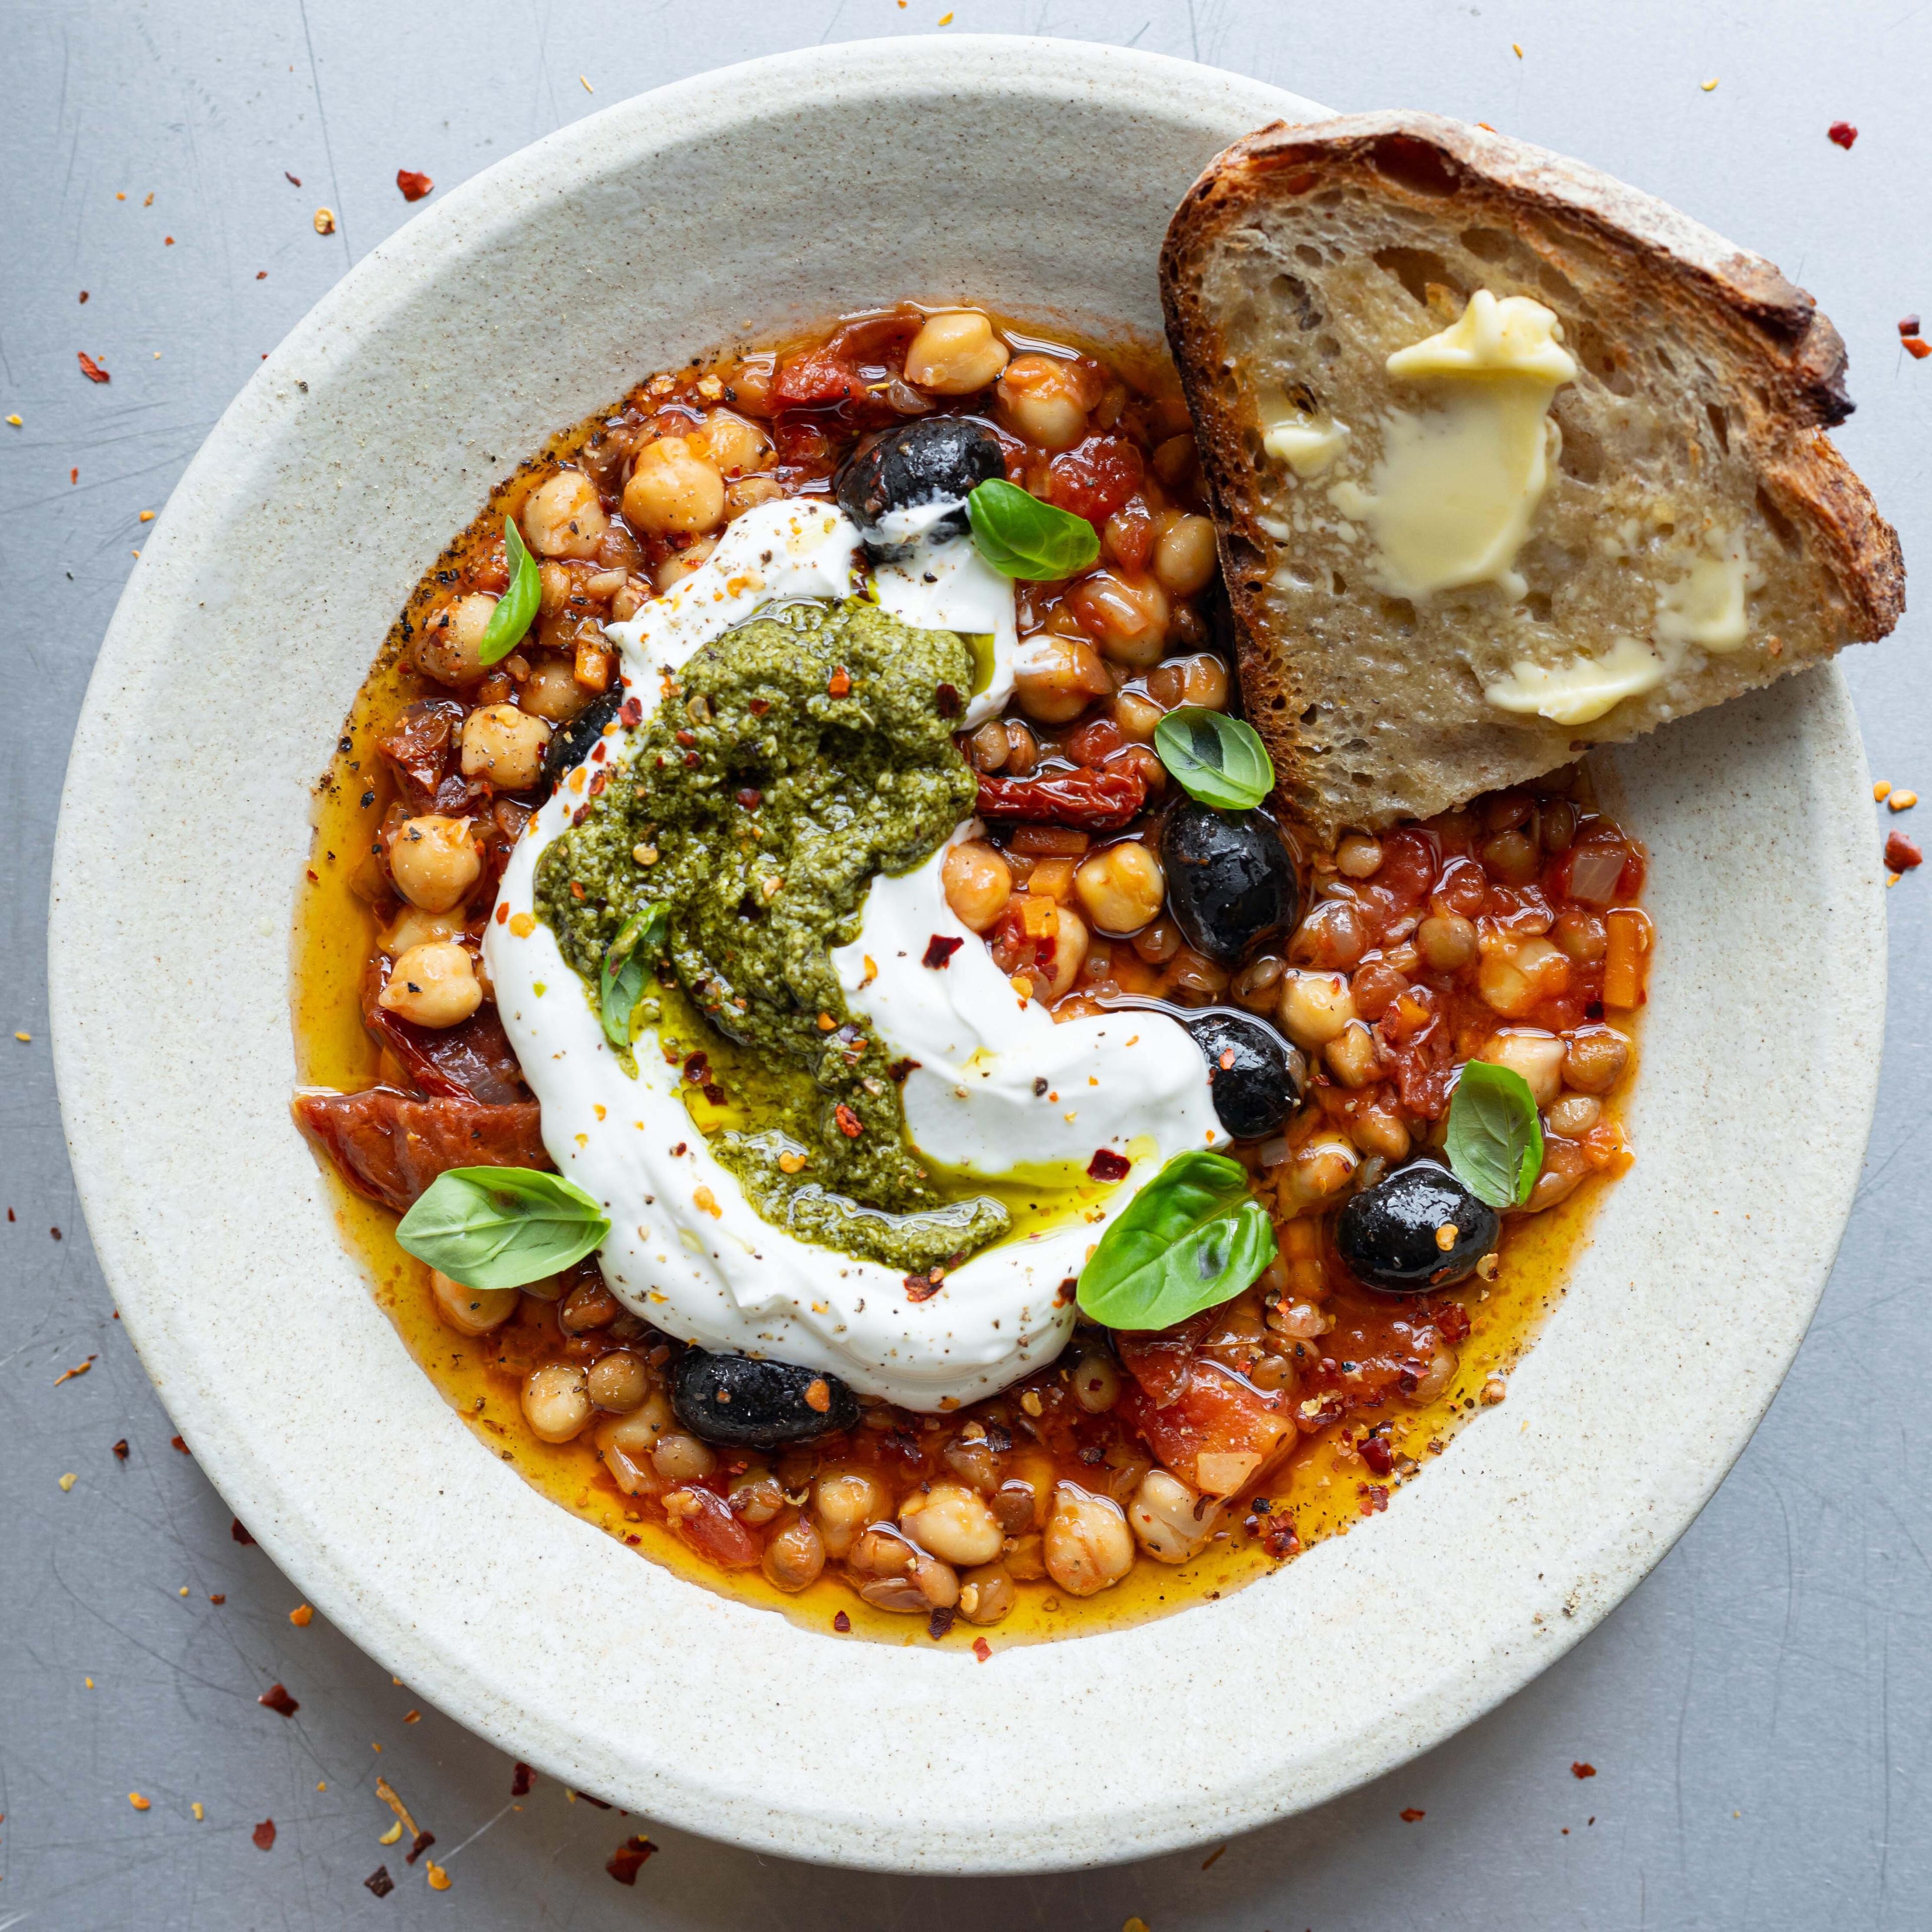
x=1792, y=362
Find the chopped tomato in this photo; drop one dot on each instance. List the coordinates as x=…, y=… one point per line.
x=1219, y=1433
x=1095, y=477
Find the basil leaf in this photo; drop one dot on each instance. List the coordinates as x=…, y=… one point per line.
x=1021, y=536
x=1495, y=1142
x=1193, y=1237
x=516, y=610
x=1218, y=759
x=620, y=985
x=501, y=1227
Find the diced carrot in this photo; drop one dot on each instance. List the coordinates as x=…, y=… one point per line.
x=1040, y=916
x=1053, y=878
x=593, y=667
x=1627, y=961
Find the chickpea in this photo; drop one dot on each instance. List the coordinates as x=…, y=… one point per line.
x=561, y=516
x=732, y=445
x=679, y=1458
x=556, y=1402
x=747, y=493
x=750, y=383
x=1511, y=856
x=674, y=490
x=1087, y=1546
x=1595, y=1059
x=447, y=648
x=1575, y=1114
x=1168, y=1520
x=756, y=1498
x=434, y=862
x=1096, y=1381
x=953, y=1522
x=1513, y=983
x=619, y=1382
x=1322, y=1167
x=1351, y=1056
x=1126, y=616
x=988, y=747
x=843, y=1502
x=1021, y=1502
x=1314, y=1008
x=551, y=691
x=977, y=881
x=626, y=1443
x=1069, y=950
x=1584, y=936
x=433, y=986
x=1055, y=679
x=795, y=1556
x=412, y=927
x=1120, y=887
x=1025, y=1557
x=973, y=1460
x=1202, y=678
x=1537, y=1055
x=956, y=353
x=1022, y=747
x=1446, y=941
x=589, y=1306
x=471, y=1311
x=928, y=1585
x=505, y=746
x=1044, y=400
x=1376, y=1130
x=1136, y=714
x=1332, y=938
x=1159, y=942
x=682, y=563
x=986, y=1594
x=1184, y=559
x=1358, y=857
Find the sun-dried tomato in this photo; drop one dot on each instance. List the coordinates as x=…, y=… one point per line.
x=1377, y=1454
x=1108, y=1165
x=413, y=185
x=264, y=1835
x=939, y=951
x=238, y=1530
x=277, y=1699
x=1102, y=801
x=521, y=1779
x=1094, y=478
x=924, y=1287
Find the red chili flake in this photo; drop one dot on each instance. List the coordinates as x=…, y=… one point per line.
x=219, y=1597
x=1410, y=1814
x=121, y=1450
x=946, y=701
x=236, y=1529
x=1095, y=477
x=167, y=241
x=630, y=713
x=423, y=1839
x=78, y=1369
x=503, y=914
x=597, y=751
x=264, y=1835
x=287, y=177
x=1915, y=348
x=175, y=1442
x=841, y=683
x=924, y=1287
x=751, y=798
x=1579, y=1769
x=261, y=274
x=413, y=185
x=91, y=369
x=1900, y=854
x=379, y=1881
x=939, y=952
x=1378, y=1455
x=759, y=707
x=982, y=1649
x=1108, y=1165
x=623, y=1863
x=1066, y=1291
x=56, y=1233
x=83, y=295
x=598, y=780
x=690, y=758
x=939, y=1622
x=1374, y=1497
x=73, y=476
x=696, y=1068
x=1279, y=1540
x=1843, y=132
x=850, y=1124
x=842, y=1623
x=899, y=1068
x=1908, y=324
x=277, y=1699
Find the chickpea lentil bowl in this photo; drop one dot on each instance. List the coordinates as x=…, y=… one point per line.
x=380, y=427
x=745, y=680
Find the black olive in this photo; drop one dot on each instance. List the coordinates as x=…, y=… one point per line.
x=570, y=744
x=930, y=460
x=1255, y=1076
x=753, y=1404
x=1389, y=1234
x=1229, y=878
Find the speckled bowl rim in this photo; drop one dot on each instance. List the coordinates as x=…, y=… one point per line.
x=333, y=479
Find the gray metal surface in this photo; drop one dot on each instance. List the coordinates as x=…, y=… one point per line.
x=1758, y=1714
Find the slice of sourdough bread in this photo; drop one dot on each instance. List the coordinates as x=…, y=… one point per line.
x=1595, y=493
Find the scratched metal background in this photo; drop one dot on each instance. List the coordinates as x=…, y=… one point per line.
x=1759, y=1713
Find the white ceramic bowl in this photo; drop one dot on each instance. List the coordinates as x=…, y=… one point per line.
x=1039, y=175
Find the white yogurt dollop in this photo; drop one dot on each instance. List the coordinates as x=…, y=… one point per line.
x=1000, y=1089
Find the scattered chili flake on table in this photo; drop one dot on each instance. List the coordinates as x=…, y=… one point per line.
x=78, y=1369
x=239, y=1532
x=623, y=1863
x=67, y=1481
x=379, y=1881
x=277, y=1699
x=1901, y=855
x=139, y=1803
x=301, y=1616
x=91, y=369
x=264, y=1835
x=1842, y=133
x=1409, y=1816
x=325, y=221
x=413, y=185
x=1917, y=349
x=1908, y=324
x=1901, y=801
x=121, y=1450
x=1219, y=1852
x=219, y=1597
x=521, y=1779
x=417, y=1846
x=175, y=1442
x=1580, y=1770
x=438, y=1879
x=296, y=178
